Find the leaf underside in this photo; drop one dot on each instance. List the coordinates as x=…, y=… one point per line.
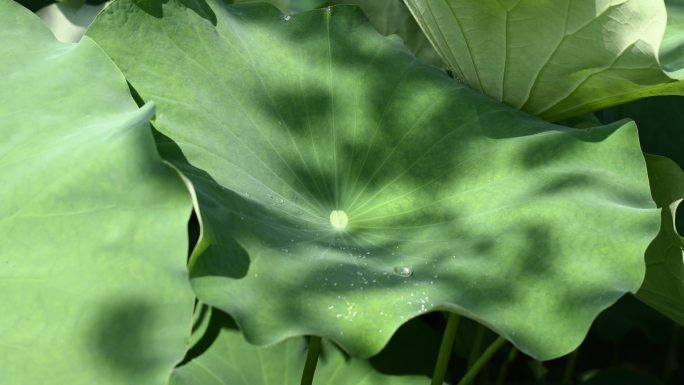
x=556, y=59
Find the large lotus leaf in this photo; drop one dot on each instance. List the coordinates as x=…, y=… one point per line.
x=551, y=58
x=345, y=187
x=663, y=287
x=231, y=360
x=92, y=223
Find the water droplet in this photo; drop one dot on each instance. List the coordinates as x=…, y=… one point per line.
x=287, y=17
x=403, y=271
x=328, y=9
x=286, y=250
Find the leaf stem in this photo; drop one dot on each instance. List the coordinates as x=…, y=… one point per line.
x=445, y=349
x=477, y=345
x=512, y=354
x=482, y=361
x=570, y=368
x=311, y=360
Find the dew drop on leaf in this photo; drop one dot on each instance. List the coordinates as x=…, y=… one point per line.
x=403, y=271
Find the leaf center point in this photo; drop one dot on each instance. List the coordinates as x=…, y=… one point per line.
x=339, y=220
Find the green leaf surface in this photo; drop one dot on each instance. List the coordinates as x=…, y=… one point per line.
x=287, y=6
x=231, y=360
x=663, y=287
x=92, y=223
x=389, y=17
x=555, y=59
x=672, y=46
x=453, y=201
x=282, y=5
x=392, y=17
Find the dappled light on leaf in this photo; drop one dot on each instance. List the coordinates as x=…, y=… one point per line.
x=451, y=201
x=93, y=269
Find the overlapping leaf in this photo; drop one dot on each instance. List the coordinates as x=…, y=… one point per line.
x=661, y=132
x=660, y=121
x=93, y=280
x=392, y=17
x=663, y=288
x=68, y=22
x=556, y=59
x=453, y=201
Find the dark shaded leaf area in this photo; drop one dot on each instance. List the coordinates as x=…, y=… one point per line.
x=628, y=344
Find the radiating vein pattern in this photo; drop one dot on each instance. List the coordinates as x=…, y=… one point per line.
x=533, y=54
x=345, y=187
